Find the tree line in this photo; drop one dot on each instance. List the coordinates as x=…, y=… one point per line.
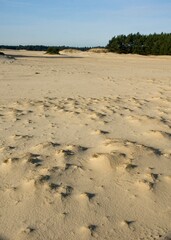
x=152, y=44
x=41, y=47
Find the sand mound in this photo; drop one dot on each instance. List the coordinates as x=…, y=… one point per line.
x=70, y=51
x=6, y=58
x=2, y=54
x=98, y=50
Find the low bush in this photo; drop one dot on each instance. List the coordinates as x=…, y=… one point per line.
x=52, y=50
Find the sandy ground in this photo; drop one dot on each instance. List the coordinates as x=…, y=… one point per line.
x=85, y=147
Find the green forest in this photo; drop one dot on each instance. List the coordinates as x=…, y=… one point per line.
x=152, y=44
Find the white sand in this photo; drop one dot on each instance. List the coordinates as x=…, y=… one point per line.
x=85, y=147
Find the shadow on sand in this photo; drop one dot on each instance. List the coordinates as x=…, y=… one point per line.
x=32, y=56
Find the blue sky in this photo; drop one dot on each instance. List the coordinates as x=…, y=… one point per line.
x=80, y=22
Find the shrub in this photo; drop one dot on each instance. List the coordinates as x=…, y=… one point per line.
x=52, y=50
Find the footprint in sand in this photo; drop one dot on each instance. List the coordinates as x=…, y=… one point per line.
x=100, y=132
x=110, y=161
x=35, y=159
x=87, y=196
x=89, y=231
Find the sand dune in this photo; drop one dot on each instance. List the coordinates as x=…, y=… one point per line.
x=85, y=147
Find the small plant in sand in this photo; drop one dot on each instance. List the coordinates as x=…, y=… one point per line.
x=1, y=53
x=52, y=50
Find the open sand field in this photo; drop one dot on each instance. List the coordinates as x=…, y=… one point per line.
x=85, y=147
